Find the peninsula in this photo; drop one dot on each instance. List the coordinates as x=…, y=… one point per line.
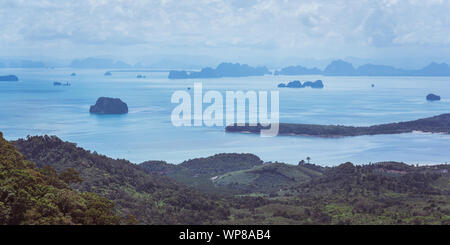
x=436, y=124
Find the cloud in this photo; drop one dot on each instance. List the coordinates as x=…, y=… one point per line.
x=271, y=25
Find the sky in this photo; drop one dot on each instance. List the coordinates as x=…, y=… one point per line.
x=405, y=32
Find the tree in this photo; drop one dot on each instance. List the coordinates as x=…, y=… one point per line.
x=32, y=196
x=70, y=176
x=308, y=158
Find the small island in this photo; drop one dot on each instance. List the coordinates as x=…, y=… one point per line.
x=298, y=84
x=61, y=84
x=73, y=74
x=433, y=97
x=105, y=105
x=298, y=70
x=436, y=124
x=108, y=73
x=9, y=78
x=343, y=68
x=222, y=70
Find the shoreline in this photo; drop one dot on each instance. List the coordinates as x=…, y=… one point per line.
x=432, y=125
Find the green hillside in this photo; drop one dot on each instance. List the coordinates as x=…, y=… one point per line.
x=151, y=198
x=266, y=178
x=382, y=193
x=231, y=189
x=197, y=173
x=32, y=196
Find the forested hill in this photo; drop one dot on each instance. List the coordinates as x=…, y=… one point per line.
x=436, y=124
x=198, y=172
x=211, y=166
x=150, y=198
x=242, y=190
x=222, y=70
x=33, y=196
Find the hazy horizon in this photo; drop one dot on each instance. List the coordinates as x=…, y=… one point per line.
x=406, y=34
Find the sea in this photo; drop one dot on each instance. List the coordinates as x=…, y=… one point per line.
x=34, y=106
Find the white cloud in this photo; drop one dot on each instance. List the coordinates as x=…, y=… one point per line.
x=272, y=25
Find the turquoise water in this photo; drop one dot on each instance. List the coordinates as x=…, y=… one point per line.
x=34, y=106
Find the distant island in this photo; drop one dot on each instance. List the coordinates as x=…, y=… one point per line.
x=96, y=63
x=105, y=105
x=436, y=124
x=222, y=70
x=108, y=73
x=337, y=67
x=298, y=84
x=61, y=84
x=298, y=70
x=9, y=78
x=343, y=68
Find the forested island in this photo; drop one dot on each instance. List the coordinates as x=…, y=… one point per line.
x=222, y=70
x=343, y=68
x=436, y=124
x=48, y=181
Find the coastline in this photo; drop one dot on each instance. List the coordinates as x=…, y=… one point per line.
x=436, y=125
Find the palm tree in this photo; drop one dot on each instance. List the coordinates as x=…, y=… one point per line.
x=307, y=159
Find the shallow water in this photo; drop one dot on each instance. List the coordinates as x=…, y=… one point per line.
x=34, y=106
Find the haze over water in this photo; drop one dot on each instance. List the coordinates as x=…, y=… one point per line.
x=34, y=106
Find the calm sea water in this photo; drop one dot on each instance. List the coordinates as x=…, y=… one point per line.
x=34, y=106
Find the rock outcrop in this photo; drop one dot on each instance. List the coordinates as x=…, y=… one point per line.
x=105, y=105
x=339, y=68
x=433, y=97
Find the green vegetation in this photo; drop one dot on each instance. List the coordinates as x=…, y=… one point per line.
x=150, y=198
x=198, y=173
x=41, y=196
x=222, y=189
x=382, y=193
x=436, y=124
x=268, y=178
